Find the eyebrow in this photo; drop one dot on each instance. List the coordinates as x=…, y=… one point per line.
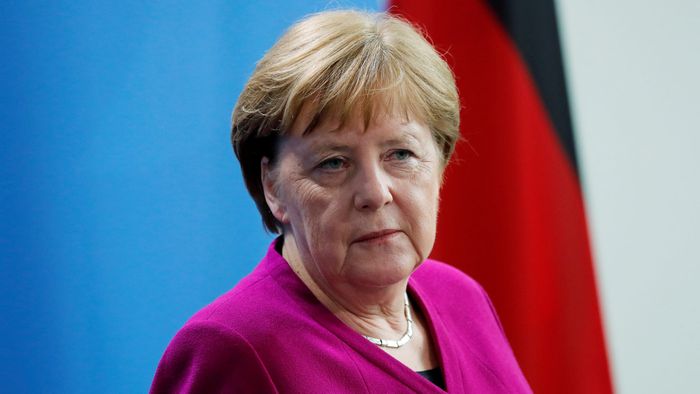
x=328, y=147
x=406, y=136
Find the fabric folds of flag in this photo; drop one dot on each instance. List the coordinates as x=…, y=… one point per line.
x=512, y=213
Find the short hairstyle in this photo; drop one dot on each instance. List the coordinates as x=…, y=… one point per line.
x=339, y=61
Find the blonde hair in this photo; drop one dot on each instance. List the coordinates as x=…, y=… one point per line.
x=339, y=61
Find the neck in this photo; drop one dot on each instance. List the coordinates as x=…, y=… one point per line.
x=377, y=312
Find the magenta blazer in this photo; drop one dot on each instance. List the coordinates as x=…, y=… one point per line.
x=270, y=334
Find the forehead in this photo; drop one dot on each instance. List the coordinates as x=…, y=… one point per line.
x=333, y=131
x=377, y=113
x=335, y=114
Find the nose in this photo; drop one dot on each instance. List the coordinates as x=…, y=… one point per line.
x=372, y=189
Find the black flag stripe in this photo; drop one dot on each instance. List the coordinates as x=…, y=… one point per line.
x=532, y=25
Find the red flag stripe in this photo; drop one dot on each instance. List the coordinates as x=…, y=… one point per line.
x=512, y=214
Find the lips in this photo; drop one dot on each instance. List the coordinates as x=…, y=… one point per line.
x=376, y=236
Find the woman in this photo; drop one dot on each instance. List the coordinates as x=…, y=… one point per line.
x=343, y=133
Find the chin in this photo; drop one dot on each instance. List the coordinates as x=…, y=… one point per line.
x=381, y=272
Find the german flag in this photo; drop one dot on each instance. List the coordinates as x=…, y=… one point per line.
x=512, y=213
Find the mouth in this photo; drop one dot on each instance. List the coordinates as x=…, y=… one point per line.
x=377, y=236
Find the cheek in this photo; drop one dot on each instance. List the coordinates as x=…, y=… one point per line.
x=312, y=209
x=315, y=220
x=422, y=206
x=427, y=192
x=429, y=210
x=303, y=197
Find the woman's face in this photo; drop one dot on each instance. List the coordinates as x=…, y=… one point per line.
x=361, y=203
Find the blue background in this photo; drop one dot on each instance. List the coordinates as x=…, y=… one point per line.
x=122, y=209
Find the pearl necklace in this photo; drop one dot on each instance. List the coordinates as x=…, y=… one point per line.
x=392, y=343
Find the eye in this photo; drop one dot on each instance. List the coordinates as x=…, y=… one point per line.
x=401, y=154
x=334, y=163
